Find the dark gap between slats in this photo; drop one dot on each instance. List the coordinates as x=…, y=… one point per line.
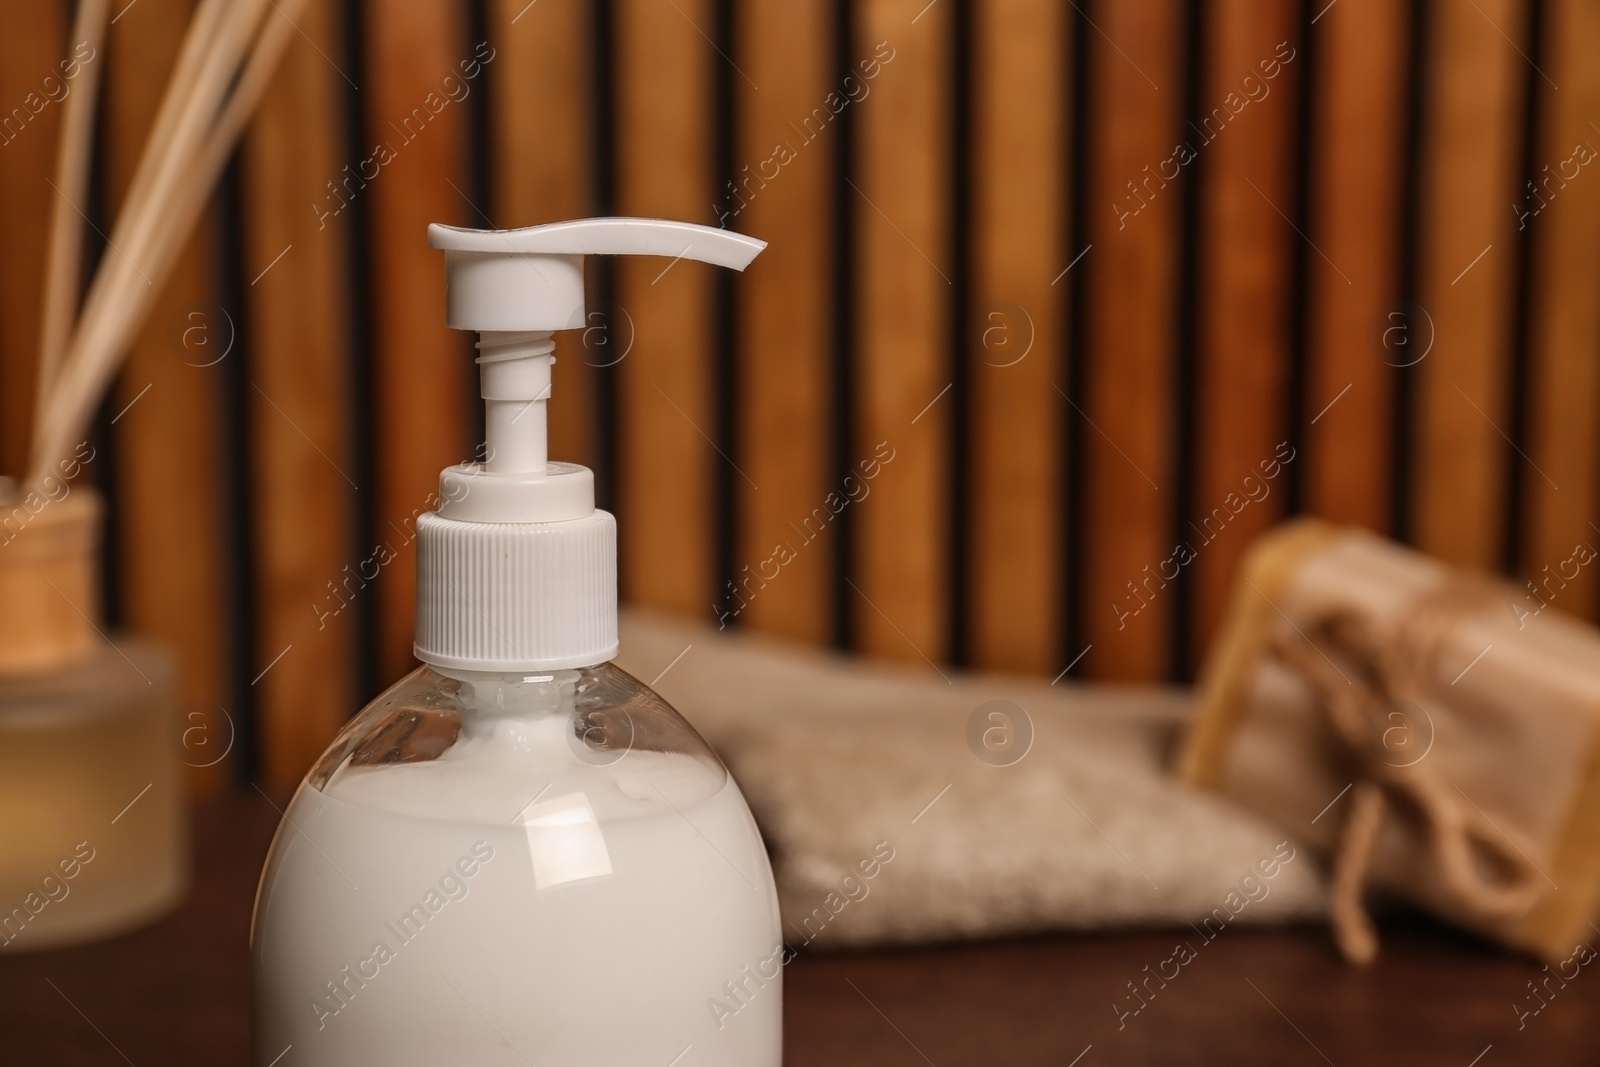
x=601, y=272
x=107, y=479
x=1413, y=139
x=237, y=519
x=1526, y=243
x=480, y=186
x=1185, y=343
x=363, y=444
x=1303, y=176
x=1073, y=372
x=725, y=376
x=843, y=348
x=958, y=521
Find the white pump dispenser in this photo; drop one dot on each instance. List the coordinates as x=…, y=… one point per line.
x=519, y=853
x=495, y=594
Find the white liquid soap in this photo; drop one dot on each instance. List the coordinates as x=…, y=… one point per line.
x=520, y=854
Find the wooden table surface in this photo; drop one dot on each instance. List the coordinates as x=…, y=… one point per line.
x=178, y=993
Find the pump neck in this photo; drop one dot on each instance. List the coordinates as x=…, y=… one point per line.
x=514, y=370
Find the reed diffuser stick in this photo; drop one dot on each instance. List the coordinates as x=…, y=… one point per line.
x=197, y=39
x=64, y=260
x=229, y=54
x=125, y=287
x=213, y=154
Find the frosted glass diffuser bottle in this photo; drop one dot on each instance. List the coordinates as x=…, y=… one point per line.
x=519, y=854
x=93, y=834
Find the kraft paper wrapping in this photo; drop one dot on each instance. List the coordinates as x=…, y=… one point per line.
x=1506, y=715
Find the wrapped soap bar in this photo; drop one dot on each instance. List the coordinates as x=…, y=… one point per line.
x=1430, y=731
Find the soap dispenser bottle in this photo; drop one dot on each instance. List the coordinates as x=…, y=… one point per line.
x=519, y=854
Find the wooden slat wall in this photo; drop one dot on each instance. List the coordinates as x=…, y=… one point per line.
x=783, y=326
x=1015, y=333
x=32, y=44
x=1130, y=271
x=903, y=184
x=1471, y=181
x=295, y=251
x=1244, y=288
x=1355, y=222
x=1564, y=319
x=1218, y=313
x=168, y=405
x=421, y=370
x=667, y=454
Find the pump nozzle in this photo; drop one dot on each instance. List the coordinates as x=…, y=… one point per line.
x=515, y=287
x=532, y=278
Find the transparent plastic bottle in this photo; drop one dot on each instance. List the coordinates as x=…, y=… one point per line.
x=488, y=869
x=520, y=854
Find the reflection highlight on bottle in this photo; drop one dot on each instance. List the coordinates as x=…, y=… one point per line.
x=565, y=841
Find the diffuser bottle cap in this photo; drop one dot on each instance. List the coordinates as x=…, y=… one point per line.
x=517, y=570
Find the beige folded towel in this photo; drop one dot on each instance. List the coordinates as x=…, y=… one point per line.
x=885, y=825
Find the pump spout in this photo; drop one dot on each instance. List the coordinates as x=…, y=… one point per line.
x=514, y=369
x=532, y=278
x=515, y=288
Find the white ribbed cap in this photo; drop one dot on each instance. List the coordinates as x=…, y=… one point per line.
x=516, y=596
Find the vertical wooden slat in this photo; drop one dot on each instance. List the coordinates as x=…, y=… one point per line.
x=1470, y=184
x=168, y=400
x=784, y=150
x=540, y=157
x=1243, y=279
x=1360, y=83
x=1128, y=271
x=298, y=298
x=1565, y=318
x=1019, y=201
x=419, y=381
x=663, y=159
x=902, y=227
x=33, y=42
